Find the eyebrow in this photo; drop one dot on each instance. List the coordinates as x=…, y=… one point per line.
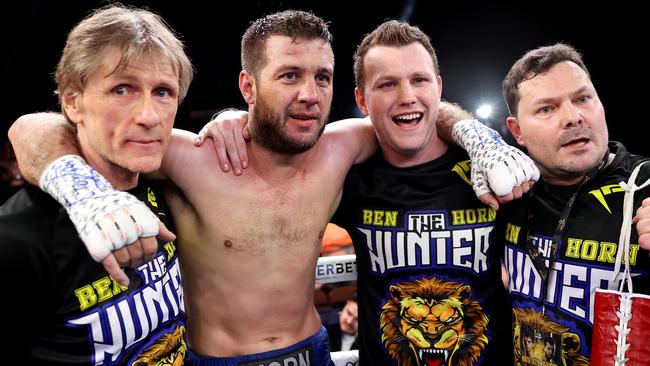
x=414, y=74
x=169, y=83
x=579, y=91
x=326, y=70
x=583, y=89
x=302, y=69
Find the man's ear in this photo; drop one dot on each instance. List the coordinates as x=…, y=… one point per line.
x=73, y=106
x=247, y=87
x=361, y=101
x=513, y=125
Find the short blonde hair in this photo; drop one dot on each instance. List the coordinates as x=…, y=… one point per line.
x=135, y=32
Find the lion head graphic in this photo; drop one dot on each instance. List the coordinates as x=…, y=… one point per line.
x=169, y=350
x=534, y=338
x=432, y=322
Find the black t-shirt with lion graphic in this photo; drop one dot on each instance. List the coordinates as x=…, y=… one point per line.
x=62, y=308
x=429, y=283
x=559, y=330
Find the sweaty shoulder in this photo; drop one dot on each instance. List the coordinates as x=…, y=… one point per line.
x=352, y=139
x=184, y=162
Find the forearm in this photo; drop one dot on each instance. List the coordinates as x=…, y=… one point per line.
x=38, y=139
x=448, y=114
x=366, y=139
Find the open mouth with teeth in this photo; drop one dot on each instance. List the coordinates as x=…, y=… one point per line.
x=409, y=119
x=434, y=357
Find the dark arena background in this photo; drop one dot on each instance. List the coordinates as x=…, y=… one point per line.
x=476, y=43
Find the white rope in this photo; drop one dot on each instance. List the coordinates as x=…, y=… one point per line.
x=624, y=313
x=336, y=268
x=626, y=228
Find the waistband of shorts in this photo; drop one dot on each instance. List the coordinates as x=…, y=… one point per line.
x=312, y=347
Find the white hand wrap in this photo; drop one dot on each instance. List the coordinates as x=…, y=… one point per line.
x=494, y=161
x=105, y=218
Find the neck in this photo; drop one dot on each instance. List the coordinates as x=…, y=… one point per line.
x=120, y=178
x=270, y=164
x=554, y=180
x=124, y=184
x=403, y=159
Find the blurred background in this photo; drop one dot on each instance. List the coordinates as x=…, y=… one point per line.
x=476, y=43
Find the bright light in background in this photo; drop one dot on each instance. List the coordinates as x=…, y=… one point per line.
x=484, y=111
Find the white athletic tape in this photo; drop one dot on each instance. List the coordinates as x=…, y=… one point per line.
x=106, y=219
x=336, y=268
x=346, y=358
x=494, y=161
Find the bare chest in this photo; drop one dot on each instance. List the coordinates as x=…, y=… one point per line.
x=257, y=216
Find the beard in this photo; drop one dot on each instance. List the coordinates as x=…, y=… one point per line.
x=267, y=130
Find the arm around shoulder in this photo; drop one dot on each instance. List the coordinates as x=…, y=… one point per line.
x=38, y=139
x=48, y=156
x=355, y=136
x=497, y=167
x=448, y=115
x=181, y=155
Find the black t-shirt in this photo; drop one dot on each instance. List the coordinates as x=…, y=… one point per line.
x=429, y=283
x=62, y=308
x=584, y=260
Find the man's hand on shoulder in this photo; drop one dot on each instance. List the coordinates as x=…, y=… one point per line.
x=229, y=133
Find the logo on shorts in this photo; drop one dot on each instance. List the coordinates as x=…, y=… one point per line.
x=299, y=357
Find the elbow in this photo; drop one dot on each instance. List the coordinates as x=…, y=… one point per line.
x=15, y=128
